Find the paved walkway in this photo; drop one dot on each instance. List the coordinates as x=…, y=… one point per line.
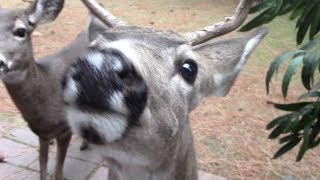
x=20, y=148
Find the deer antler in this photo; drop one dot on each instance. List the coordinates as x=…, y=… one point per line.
x=104, y=15
x=28, y=1
x=221, y=28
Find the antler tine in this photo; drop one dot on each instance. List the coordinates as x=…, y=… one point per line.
x=28, y=1
x=104, y=15
x=221, y=28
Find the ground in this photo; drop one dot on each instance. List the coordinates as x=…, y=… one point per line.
x=19, y=145
x=229, y=132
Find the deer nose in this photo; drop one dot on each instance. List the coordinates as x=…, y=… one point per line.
x=3, y=66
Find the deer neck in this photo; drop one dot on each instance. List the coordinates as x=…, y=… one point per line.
x=33, y=94
x=180, y=164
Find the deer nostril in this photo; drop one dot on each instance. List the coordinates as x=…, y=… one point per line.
x=3, y=66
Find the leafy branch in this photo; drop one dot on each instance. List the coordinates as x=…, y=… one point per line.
x=302, y=122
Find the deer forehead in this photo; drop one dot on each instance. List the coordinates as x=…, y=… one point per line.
x=149, y=51
x=10, y=21
x=9, y=17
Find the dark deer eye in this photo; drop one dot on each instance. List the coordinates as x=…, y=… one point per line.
x=21, y=32
x=189, y=70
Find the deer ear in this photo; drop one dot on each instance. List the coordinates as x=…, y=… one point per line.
x=44, y=11
x=95, y=27
x=221, y=61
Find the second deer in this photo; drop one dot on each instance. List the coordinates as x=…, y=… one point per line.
x=34, y=86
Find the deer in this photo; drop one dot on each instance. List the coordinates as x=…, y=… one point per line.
x=34, y=86
x=130, y=94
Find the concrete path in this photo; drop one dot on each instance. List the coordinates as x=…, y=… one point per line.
x=19, y=146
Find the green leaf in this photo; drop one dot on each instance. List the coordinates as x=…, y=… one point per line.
x=288, y=138
x=280, y=129
x=315, y=22
x=310, y=44
x=298, y=125
x=263, y=5
x=263, y=18
x=310, y=95
x=287, y=6
x=302, y=30
x=315, y=143
x=288, y=75
x=305, y=145
x=305, y=116
x=291, y=106
x=275, y=65
x=279, y=120
x=316, y=128
x=309, y=66
x=298, y=9
x=305, y=20
x=287, y=147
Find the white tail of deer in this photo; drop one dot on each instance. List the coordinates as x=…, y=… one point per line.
x=130, y=94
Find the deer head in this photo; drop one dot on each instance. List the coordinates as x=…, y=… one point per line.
x=16, y=27
x=134, y=88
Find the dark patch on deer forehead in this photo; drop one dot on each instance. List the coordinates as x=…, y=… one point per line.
x=95, y=86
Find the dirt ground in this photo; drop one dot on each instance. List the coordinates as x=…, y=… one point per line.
x=229, y=132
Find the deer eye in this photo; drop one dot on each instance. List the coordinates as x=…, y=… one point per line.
x=189, y=70
x=20, y=32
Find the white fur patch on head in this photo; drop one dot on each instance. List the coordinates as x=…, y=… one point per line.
x=109, y=126
x=186, y=52
x=126, y=47
x=3, y=59
x=8, y=63
x=218, y=79
x=117, y=65
x=10, y=76
x=95, y=59
x=181, y=86
x=38, y=12
x=70, y=92
x=251, y=44
x=19, y=24
x=116, y=102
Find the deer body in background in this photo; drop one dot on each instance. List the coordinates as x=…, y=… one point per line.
x=35, y=87
x=131, y=92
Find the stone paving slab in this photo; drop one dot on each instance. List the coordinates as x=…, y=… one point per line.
x=100, y=174
x=206, y=176
x=4, y=126
x=25, y=135
x=16, y=153
x=10, y=172
x=20, y=148
x=73, y=168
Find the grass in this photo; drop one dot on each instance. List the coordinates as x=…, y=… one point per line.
x=229, y=132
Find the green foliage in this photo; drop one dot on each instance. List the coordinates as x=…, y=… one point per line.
x=301, y=124
x=307, y=12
